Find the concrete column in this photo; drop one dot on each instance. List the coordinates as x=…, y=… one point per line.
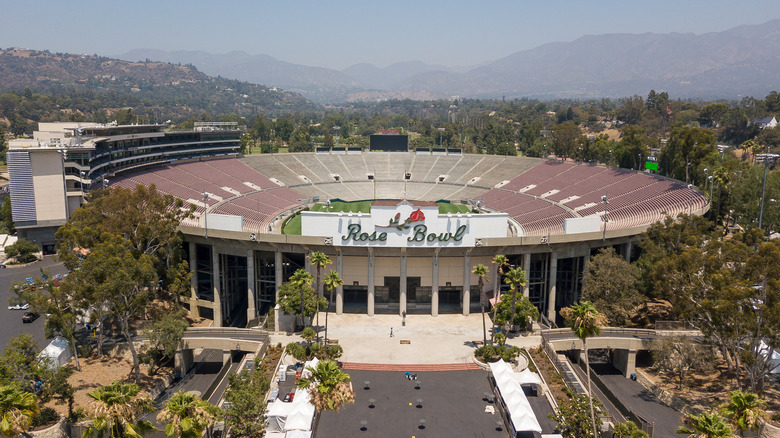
x=435, y=284
x=402, y=286
x=340, y=289
x=251, y=310
x=628, y=248
x=216, y=283
x=527, y=269
x=193, y=281
x=551, y=286
x=371, y=291
x=625, y=361
x=279, y=279
x=183, y=361
x=466, y=300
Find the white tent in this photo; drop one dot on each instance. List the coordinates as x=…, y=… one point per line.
x=57, y=352
x=774, y=360
x=517, y=406
x=528, y=377
x=295, y=416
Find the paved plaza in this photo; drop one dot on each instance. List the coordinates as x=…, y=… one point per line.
x=444, y=339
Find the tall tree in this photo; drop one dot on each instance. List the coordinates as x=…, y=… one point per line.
x=115, y=410
x=328, y=385
x=586, y=322
x=296, y=297
x=303, y=280
x=246, y=395
x=501, y=261
x=481, y=272
x=56, y=301
x=679, y=355
x=332, y=281
x=124, y=281
x=515, y=277
x=319, y=260
x=610, y=283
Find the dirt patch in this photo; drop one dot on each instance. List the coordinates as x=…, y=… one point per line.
x=705, y=391
x=551, y=376
x=100, y=372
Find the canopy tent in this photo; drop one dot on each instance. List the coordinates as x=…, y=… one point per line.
x=519, y=411
x=774, y=359
x=528, y=377
x=295, y=416
x=57, y=352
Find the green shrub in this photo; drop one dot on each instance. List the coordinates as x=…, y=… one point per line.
x=45, y=416
x=335, y=351
x=296, y=351
x=317, y=350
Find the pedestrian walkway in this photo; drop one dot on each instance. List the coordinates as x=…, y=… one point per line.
x=417, y=339
x=410, y=367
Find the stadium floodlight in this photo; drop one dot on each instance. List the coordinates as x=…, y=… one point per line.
x=206, y=213
x=605, y=200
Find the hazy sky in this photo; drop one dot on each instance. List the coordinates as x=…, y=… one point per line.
x=337, y=34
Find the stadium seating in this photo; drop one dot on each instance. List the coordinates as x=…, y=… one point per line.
x=537, y=194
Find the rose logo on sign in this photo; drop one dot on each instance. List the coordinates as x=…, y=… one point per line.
x=416, y=216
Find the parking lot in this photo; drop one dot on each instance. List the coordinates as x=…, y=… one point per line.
x=451, y=403
x=11, y=324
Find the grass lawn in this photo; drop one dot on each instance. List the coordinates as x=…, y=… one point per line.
x=445, y=208
x=293, y=225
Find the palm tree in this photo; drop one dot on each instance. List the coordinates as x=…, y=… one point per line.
x=328, y=385
x=301, y=279
x=500, y=261
x=115, y=409
x=319, y=260
x=744, y=410
x=514, y=277
x=481, y=271
x=585, y=321
x=17, y=409
x=705, y=426
x=185, y=415
x=332, y=281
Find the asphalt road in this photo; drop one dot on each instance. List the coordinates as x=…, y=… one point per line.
x=640, y=400
x=11, y=324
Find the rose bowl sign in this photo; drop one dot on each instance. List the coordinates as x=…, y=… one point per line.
x=403, y=224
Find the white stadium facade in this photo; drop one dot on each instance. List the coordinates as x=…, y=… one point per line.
x=546, y=216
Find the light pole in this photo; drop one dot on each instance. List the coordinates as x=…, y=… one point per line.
x=206, y=213
x=606, y=202
x=690, y=206
x=83, y=174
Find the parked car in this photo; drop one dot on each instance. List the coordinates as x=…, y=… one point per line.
x=29, y=317
x=2, y=265
x=24, y=306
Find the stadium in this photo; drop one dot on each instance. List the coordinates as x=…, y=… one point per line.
x=403, y=228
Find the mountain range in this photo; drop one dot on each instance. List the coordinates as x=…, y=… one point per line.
x=741, y=61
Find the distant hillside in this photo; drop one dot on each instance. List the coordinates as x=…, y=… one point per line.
x=741, y=61
x=316, y=83
x=180, y=90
